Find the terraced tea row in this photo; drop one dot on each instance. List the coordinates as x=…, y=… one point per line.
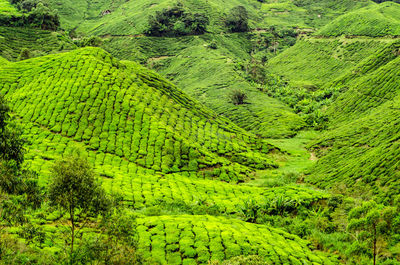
x=198, y=239
x=38, y=42
x=142, y=187
x=370, y=84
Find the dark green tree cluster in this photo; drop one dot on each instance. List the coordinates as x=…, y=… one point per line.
x=238, y=97
x=237, y=19
x=176, y=21
x=14, y=179
x=34, y=14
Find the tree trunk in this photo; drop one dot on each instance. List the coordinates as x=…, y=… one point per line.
x=374, y=245
x=71, y=214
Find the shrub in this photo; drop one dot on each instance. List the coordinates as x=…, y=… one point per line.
x=213, y=45
x=25, y=54
x=238, y=97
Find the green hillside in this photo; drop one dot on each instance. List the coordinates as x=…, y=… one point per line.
x=315, y=61
x=187, y=60
x=199, y=132
x=127, y=17
x=104, y=103
x=153, y=146
x=361, y=149
x=306, y=13
x=374, y=21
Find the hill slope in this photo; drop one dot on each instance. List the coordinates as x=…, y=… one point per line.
x=373, y=21
x=315, y=61
x=361, y=149
x=130, y=17
x=39, y=42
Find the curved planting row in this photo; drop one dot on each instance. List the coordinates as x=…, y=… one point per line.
x=198, y=239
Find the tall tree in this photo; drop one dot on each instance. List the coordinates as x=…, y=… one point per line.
x=371, y=222
x=74, y=188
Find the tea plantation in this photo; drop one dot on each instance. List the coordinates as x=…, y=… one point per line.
x=243, y=132
x=127, y=111
x=37, y=42
x=198, y=239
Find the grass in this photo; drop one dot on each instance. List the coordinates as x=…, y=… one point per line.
x=291, y=167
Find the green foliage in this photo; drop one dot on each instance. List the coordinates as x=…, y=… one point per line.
x=76, y=191
x=7, y=9
x=38, y=16
x=238, y=97
x=11, y=141
x=89, y=41
x=25, y=54
x=74, y=188
x=372, y=224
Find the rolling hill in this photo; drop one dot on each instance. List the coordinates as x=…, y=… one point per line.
x=96, y=94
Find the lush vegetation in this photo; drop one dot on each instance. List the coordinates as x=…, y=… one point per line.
x=271, y=139
x=31, y=14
